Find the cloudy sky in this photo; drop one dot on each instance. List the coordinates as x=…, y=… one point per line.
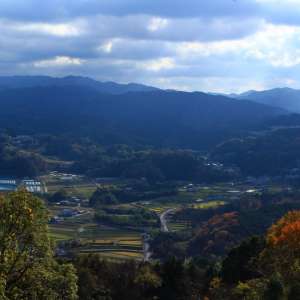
x=208, y=45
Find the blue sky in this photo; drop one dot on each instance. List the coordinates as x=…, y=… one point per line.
x=208, y=45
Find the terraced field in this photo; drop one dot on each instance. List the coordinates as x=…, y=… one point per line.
x=94, y=238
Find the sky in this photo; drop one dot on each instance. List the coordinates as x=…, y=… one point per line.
x=204, y=45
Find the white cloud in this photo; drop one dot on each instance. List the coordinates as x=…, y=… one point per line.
x=58, y=61
x=106, y=47
x=55, y=29
x=276, y=45
x=157, y=65
x=222, y=45
x=62, y=30
x=156, y=24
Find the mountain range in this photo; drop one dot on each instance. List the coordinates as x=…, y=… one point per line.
x=131, y=114
x=12, y=82
x=285, y=98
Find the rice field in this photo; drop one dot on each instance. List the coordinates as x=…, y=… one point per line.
x=160, y=207
x=206, y=205
x=105, y=241
x=120, y=255
x=117, y=243
x=79, y=186
x=79, y=190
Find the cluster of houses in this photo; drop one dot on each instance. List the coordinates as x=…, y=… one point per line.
x=34, y=186
x=67, y=213
x=64, y=176
x=8, y=185
x=191, y=188
x=227, y=194
x=24, y=141
x=31, y=185
x=72, y=201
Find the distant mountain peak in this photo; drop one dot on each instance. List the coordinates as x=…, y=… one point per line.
x=282, y=97
x=109, y=87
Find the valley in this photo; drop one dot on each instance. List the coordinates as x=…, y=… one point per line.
x=149, y=150
x=129, y=182
x=132, y=229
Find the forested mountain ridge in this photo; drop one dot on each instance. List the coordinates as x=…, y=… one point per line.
x=109, y=87
x=158, y=118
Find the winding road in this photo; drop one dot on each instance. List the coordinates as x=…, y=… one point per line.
x=163, y=219
x=163, y=227
x=147, y=253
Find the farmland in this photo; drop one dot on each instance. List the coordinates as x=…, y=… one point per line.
x=116, y=231
x=76, y=186
x=94, y=238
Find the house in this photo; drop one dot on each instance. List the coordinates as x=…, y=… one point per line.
x=199, y=200
x=32, y=185
x=8, y=184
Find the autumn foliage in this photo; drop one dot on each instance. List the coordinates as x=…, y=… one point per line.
x=286, y=232
x=265, y=268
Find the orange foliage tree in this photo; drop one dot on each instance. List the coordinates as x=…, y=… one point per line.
x=286, y=233
x=283, y=245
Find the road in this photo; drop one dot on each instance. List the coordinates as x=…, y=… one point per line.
x=163, y=227
x=163, y=219
x=147, y=253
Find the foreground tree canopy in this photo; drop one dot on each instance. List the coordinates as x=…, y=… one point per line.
x=27, y=267
x=263, y=268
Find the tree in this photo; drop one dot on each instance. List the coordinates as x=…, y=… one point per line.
x=275, y=263
x=27, y=267
x=281, y=256
x=102, y=197
x=286, y=233
x=239, y=263
x=60, y=195
x=274, y=289
x=283, y=245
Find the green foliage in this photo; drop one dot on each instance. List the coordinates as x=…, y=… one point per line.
x=250, y=290
x=172, y=280
x=165, y=245
x=294, y=292
x=133, y=217
x=60, y=195
x=274, y=289
x=102, y=197
x=239, y=264
x=268, y=271
x=27, y=267
x=95, y=159
x=14, y=162
x=271, y=153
